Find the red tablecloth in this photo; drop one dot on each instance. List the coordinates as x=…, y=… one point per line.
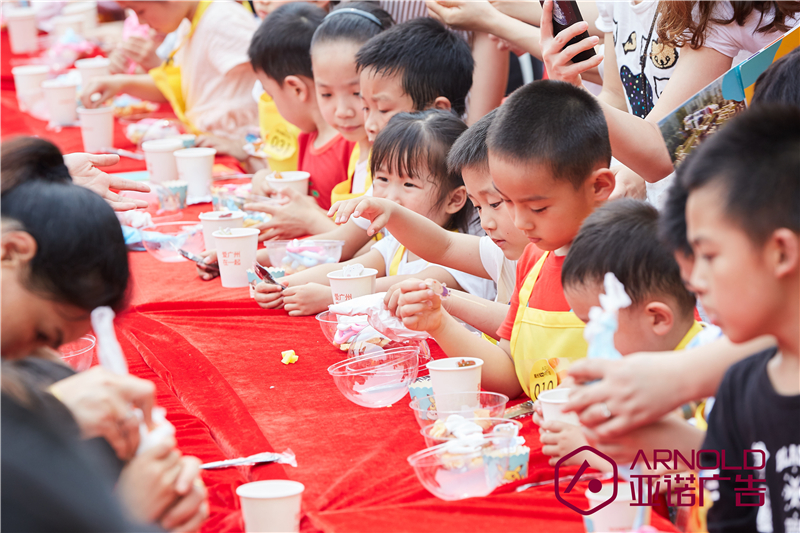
x=215, y=358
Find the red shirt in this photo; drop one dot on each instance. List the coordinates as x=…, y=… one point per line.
x=547, y=294
x=327, y=165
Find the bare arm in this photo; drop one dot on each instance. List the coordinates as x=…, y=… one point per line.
x=353, y=236
x=319, y=273
x=613, y=92
x=139, y=85
x=485, y=315
x=489, y=78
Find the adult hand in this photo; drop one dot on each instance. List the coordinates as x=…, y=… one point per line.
x=307, y=299
x=106, y=86
x=628, y=184
x=222, y=145
x=463, y=14
x=85, y=172
x=101, y=402
x=298, y=216
x=190, y=508
x=147, y=484
x=142, y=51
x=635, y=390
x=558, y=59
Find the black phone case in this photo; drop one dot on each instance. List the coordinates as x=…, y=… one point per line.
x=565, y=14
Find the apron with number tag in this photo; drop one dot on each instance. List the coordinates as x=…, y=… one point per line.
x=543, y=341
x=280, y=137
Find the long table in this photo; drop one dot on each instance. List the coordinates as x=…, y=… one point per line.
x=214, y=356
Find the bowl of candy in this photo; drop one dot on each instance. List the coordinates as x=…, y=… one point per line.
x=297, y=255
x=368, y=341
x=377, y=379
x=473, y=405
x=456, y=426
x=79, y=354
x=164, y=241
x=463, y=468
x=339, y=329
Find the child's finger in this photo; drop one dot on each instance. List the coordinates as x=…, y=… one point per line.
x=378, y=224
x=416, y=297
x=413, y=309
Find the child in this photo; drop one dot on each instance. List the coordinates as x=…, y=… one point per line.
x=622, y=237
x=207, y=79
x=333, y=59
x=493, y=256
x=279, y=53
x=548, y=157
x=409, y=164
x=745, y=234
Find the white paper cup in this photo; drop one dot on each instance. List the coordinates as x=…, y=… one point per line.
x=212, y=222
x=195, y=167
x=553, y=406
x=62, y=24
x=22, y=31
x=92, y=68
x=28, y=83
x=86, y=10
x=160, y=159
x=61, y=101
x=294, y=179
x=236, y=253
x=448, y=377
x=618, y=515
x=97, y=128
x=346, y=288
x=272, y=505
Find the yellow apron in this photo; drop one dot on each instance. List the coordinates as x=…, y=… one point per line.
x=542, y=339
x=343, y=191
x=280, y=137
x=167, y=76
x=394, y=266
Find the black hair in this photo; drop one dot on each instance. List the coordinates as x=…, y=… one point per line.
x=672, y=227
x=470, y=149
x=23, y=157
x=281, y=44
x=621, y=237
x=780, y=82
x=555, y=124
x=81, y=258
x=414, y=142
x=432, y=61
x=755, y=161
x=346, y=23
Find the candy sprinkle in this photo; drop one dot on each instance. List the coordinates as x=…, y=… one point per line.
x=288, y=357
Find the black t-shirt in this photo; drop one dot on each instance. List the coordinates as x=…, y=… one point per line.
x=749, y=415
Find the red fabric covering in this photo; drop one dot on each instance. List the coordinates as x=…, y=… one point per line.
x=214, y=356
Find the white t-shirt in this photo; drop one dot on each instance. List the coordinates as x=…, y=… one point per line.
x=216, y=75
x=502, y=270
x=633, y=27
x=388, y=247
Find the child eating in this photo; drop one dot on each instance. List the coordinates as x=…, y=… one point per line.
x=409, y=164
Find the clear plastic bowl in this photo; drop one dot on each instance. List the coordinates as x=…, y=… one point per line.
x=80, y=353
x=488, y=405
x=488, y=425
x=162, y=241
x=379, y=379
x=370, y=341
x=329, y=323
x=457, y=476
x=298, y=255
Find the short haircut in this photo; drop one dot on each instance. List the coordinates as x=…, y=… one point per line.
x=555, y=124
x=672, y=227
x=470, y=149
x=26, y=157
x=281, y=45
x=431, y=60
x=414, y=143
x=621, y=237
x=780, y=83
x=755, y=160
x=345, y=23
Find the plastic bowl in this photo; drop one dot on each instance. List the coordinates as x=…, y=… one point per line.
x=329, y=324
x=488, y=425
x=369, y=341
x=457, y=476
x=164, y=240
x=379, y=379
x=80, y=353
x=294, y=256
x=484, y=405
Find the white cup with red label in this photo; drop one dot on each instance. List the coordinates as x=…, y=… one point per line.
x=272, y=505
x=62, y=101
x=619, y=515
x=236, y=252
x=352, y=282
x=455, y=374
x=28, y=84
x=291, y=179
x=159, y=156
x=92, y=67
x=22, y=31
x=214, y=220
x=97, y=128
x=552, y=402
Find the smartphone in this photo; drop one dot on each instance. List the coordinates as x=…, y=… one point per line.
x=565, y=14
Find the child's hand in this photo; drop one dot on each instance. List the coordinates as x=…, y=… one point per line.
x=297, y=215
x=222, y=145
x=259, y=185
x=206, y=274
x=106, y=86
x=307, y=299
x=269, y=296
x=419, y=307
x=558, y=439
x=538, y=417
x=377, y=210
x=558, y=59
